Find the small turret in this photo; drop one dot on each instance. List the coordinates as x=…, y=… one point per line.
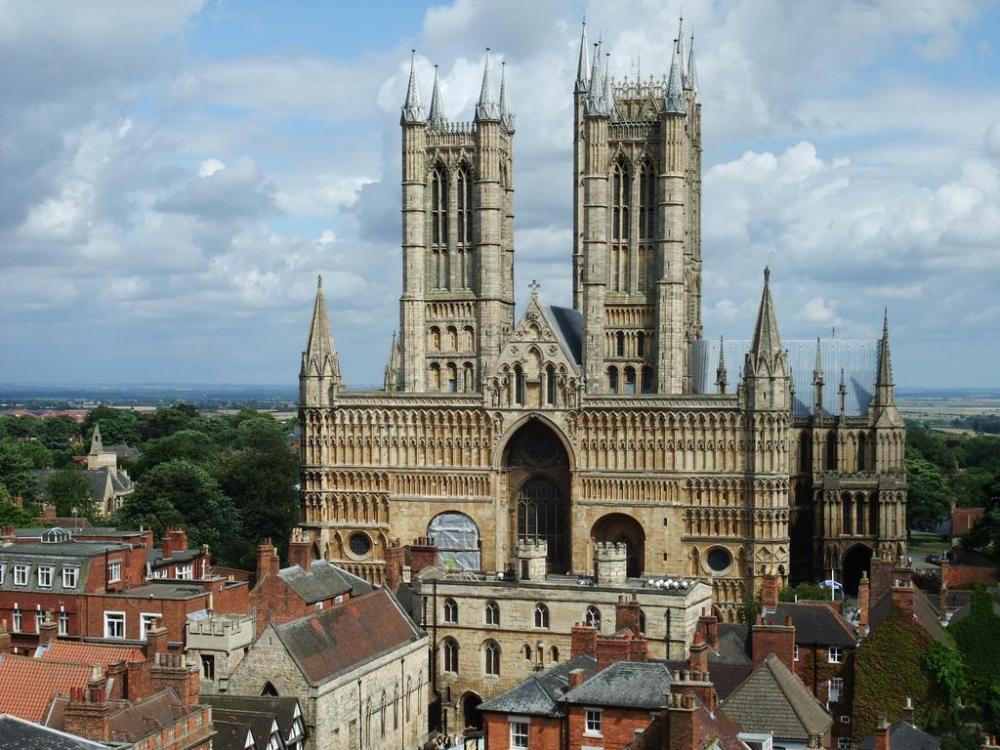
x=720, y=372
x=96, y=441
x=595, y=91
x=842, y=392
x=487, y=107
x=392, y=366
x=607, y=97
x=884, y=387
x=765, y=374
x=673, y=102
x=506, y=116
x=582, y=65
x=412, y=112
x=818, y=382
x=691, y=79
x=320, y=373
x=436, y=117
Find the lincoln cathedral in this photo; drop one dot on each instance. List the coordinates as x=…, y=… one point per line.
x=615, y=420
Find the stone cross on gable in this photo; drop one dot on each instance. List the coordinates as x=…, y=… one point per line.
x=534, y=286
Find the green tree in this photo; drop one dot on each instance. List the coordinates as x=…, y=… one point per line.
x=117, y=425
x=182, y=492
x=944, y=663
x=260, y=477
x=15, y=469
x=804, y=591
x=167, y=421
x=927, y=499
x=973, y=487
x=189, y=445
x=977, y=637
x=57, y=432
x=69, y=490
x=39, y=456
x=11, y=515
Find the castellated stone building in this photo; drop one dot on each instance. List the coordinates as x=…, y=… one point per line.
x=615, y=420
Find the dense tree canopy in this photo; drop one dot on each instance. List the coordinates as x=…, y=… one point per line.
x=69, y=490
x=927, y=498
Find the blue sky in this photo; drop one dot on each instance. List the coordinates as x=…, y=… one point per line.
x=174, y=175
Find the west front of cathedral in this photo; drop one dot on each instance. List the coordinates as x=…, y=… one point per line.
x=615, y=420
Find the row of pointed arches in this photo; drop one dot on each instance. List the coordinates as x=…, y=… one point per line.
x=451, y=229
x=451, y=339
x=633, y=226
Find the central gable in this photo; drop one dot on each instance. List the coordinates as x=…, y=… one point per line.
x=538, y=362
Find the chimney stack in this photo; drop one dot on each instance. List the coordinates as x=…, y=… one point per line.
x=768, y=638
x=902, y=597
x=769, y=593
x=864, y=604
x=299, y=550
x=174, y=540
x=698, y=658
x=423, y=554
x=394, y=559
x=583, y=640
x=628, y=614
x=576, y=678
x=908, y=711
x=268, y=563
x=47, y=631
x=882, y=735
x=709, y=625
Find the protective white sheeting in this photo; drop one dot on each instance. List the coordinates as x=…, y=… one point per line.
x=457, y=539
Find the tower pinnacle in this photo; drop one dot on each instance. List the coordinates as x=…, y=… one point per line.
x=320, y=356
x=884, y=387
x=506, y=116
x=720, y=372
x=412, y=112
x=583, y=64
x=436, y=116
x=595, y=90
x=673, y=102
x=486, y=108
x=766, y=340
x=691, y=80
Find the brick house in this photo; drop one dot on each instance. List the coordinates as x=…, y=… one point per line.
x=141, y=698
x=100, y=584
x=359, y=669
x=307, y=585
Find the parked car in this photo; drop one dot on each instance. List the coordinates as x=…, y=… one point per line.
x=933, y=558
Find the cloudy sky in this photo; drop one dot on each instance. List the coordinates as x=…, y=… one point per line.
x=173, y=175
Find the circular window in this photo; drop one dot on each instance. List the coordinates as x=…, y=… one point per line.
x=360, y=544
x=719, y=559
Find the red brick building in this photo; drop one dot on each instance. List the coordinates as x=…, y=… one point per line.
x=307, y=585
x=101, y=583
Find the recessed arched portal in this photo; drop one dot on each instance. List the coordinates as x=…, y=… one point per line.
x=857, y=560
x=470, y=711
x=538, y=480
x=617, y=527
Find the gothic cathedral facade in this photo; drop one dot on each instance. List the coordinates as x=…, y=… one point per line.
x=615, y=419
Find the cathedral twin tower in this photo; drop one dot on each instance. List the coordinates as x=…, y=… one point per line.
x=612, y=420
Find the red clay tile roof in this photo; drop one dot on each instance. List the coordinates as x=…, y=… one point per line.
x=27, y=686
x=347, y=635
x=92, y=653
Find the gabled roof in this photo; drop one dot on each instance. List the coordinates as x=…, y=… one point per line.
x=230, y=736
x=923, y=610
x=772, y=698
x=262, y=725
x=322, y=581
x=28, y=735
x=27, y=686
x=568, y=326
x=539, y=695
x=91, y=653
x=284, y=709
x=904, y=736
x=629, y=684
x=817, y=622
x=131, y=722
x=711, y=730
x=336, y=640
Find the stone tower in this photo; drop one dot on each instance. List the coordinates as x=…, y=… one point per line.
x=637, y=239
x=458, y=269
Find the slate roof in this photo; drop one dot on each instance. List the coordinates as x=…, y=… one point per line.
x=772, y=698
x=857, y=358
x=629, y=684
x=731, y=664
x=261, y=724
x=904, y=736
x=281, y=708
x=336, y=640
x=27, y=686
x=230, y=736
x=568, y=325
x=27, y=735
x=131, y=722
x=924, y=611
x=322, y=581
x=817, y=622
x=91, y=653
x=539, y=695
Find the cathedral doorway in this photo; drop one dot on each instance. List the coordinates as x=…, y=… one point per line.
x=538, y=479
x=857, y=560
x=617, y=527
x=470, y=711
